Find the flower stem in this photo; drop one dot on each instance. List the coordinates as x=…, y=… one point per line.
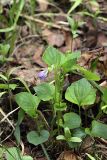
x=45, y=152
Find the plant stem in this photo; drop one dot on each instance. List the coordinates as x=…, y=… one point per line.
x=9, y=92
x=85, y=111
x=58, y=96
x=96, y=85
x=45, y=152
x=79, y=111
x=43, y=147
x=43, y=118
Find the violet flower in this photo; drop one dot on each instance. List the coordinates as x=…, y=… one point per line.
x=43, y=74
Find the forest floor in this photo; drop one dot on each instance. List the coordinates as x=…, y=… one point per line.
x=35, y=30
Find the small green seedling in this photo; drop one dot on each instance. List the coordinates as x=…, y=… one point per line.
x=4, y=50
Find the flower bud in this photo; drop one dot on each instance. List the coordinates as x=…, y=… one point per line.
x=43, y=74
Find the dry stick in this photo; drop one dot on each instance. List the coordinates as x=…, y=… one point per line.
x=44, y=22
x=7, y=115
x=50, y=14
x=7, y=137
x=28, y=37
x=23, y=42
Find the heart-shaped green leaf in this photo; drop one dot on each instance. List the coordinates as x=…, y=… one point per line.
x=99, y=129
x=52, y=56
x=79, y=132
x=81, y=93
x=72, y=120
x=27, y=102
x=45, y=91
x=36, y=138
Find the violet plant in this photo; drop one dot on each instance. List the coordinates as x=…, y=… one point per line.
x=63, y=124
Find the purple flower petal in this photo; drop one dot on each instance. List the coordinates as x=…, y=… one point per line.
x=43, y=74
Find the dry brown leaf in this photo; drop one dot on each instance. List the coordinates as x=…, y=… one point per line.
x=37, y=56
x=102, y=39
x=28, y=75
x=54, y=38
x=43, y=4
x=67, y=155
x=76, y=44
x=68, y=42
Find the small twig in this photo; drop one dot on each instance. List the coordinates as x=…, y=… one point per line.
x=50, y=14
x=27, y=37
x=7, y=115
x=45, y=121
x=44, y=22
x=101, y=140
x=16, y=48
x=23, y=42
x=101, y=146
x=22, y=146
x=7, y=137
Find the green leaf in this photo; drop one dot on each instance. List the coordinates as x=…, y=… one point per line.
x=104, y=107
x=81, y=93
x=4, y=48
x=2, y=151
x=23, y=82
x=99, y=129
x=70, y=60
x=75, y=139
x=17, y=134
x=67, y=66
x=60, y=137
x=3, y=77
x=73, y=24
x=104, y=96
x=19, y=10
x=21, y=115
x=79, y=132
x=6, y=86
x=52, y=56
x=27, y=102
x=72, y=120
x=45, y=91
x=67, y=133
x=12, y=154
x=89, y=75
x=36, y=138
x=1, y=94
x=27, y=158
x=91, y=157
x=73, y=55
x=75, y=5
